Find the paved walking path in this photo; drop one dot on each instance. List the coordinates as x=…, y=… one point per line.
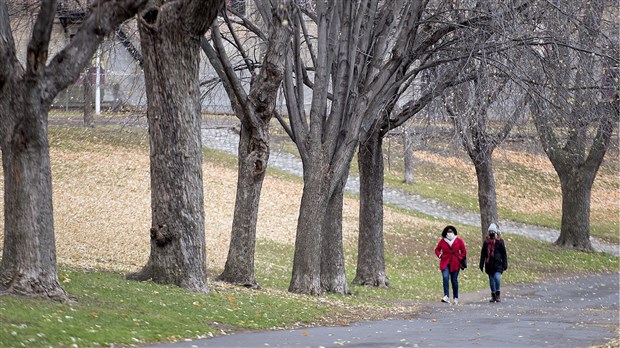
x=570, y=312
x=224, y=139
x=574, y=312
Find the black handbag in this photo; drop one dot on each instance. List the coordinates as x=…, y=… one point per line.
x=463, y=261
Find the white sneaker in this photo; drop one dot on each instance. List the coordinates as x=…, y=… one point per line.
x=445, y=299
x=456, y=301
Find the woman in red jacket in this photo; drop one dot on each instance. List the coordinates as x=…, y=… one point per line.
x=450, y=250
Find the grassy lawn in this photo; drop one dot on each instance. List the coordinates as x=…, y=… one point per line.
x=102, y=216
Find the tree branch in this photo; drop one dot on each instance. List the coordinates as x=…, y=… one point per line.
x=199, y=14
x=228, y=71
x=216, y=62
x=9, y=65
x=37, y=51
x=239, y=46
x=603, y=134
x=68, y=63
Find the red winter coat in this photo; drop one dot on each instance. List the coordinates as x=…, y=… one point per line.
x=442, y=250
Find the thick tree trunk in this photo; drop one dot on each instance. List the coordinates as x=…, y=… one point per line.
x=253, y=158
x=487, y=198
x=29, y=253
x=370, y=258
x=255, y=114
x=575, y=229
x=306, y=276
x=171, y=63
x=333, y=276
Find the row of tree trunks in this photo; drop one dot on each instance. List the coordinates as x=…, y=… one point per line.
x=345, y=68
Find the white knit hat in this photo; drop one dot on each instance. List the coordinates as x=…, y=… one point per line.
x=493, y=228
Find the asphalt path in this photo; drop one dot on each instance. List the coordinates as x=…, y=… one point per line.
x=567, y=312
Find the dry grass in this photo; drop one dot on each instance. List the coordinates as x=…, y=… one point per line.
x=102, y=208
x=524, y=200
x=102, y=202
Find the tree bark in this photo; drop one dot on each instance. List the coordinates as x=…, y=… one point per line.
x=255, y=112
x=487, y=198
x=29, y=253
x=252, y=160
x=306, y=276
x=333, y=276
x=575, y=228
x=370, y=256
x=168, y=35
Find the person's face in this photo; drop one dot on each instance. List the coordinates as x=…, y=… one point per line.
x=492, y=235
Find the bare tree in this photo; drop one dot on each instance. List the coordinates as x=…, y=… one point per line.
x=255, y=111
x=350, y=76
x=477, y=111
x=574, y=44
x=29, y=254
x=169, y=34
x=454, y=35
x=370, y=260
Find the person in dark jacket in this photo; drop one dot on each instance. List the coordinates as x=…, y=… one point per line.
x=494, y=260
x=450, y=250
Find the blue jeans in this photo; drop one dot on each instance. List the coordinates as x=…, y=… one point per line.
x=495, y=281
x=454, y=277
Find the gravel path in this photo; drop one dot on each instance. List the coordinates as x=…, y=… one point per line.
x=224, y=139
